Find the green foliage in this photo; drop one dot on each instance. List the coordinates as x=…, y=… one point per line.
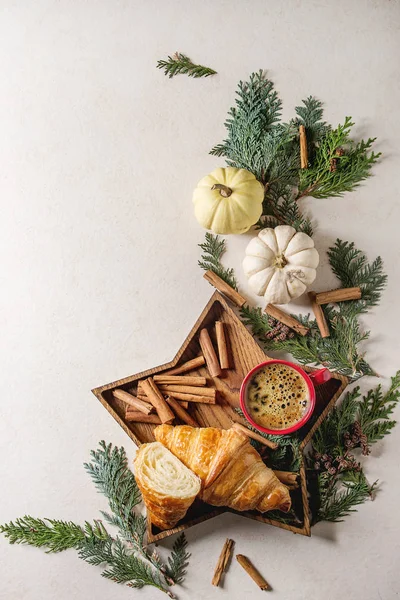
x=179, y=64
x=339, y=164
x=178, y=561
x=112, y=478
x=340, y=351
x=128, y=558
x=122, y=566
x=352, y=424
x=375, y=409
x=310, y=115
x=337, y=504
x=351, y=268
x=52, y=534
x=213, y=249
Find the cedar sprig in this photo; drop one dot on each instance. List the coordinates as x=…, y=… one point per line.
x=213, y=249
x=122, y=566
x=339, y=165
x=127, y=558
x=180, y=64
x=178, y=560
x=357, y=422
x=337, y=503
x=52, y=534
x=352, y=269
x=339, y=352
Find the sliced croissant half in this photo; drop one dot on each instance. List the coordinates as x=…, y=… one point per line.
x=168, y=487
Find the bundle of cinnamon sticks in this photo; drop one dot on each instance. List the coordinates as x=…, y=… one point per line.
x=167, y=396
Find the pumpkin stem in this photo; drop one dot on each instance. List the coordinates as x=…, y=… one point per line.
x=223, y=189
x=280, y=261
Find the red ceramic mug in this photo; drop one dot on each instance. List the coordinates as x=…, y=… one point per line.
x=312, y=379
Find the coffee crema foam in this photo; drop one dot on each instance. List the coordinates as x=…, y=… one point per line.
x=277, y=396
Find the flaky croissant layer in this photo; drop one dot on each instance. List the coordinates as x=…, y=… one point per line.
x=168, y=487
x=231, y=471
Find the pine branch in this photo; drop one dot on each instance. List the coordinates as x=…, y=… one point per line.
x=213, y=249
x=339, y=164
x=352, y=269
x=179, y=64
x=178, y=561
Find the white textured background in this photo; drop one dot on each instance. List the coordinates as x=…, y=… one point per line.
x=99, y=153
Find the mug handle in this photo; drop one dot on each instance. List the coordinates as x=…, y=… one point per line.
x=320, y=376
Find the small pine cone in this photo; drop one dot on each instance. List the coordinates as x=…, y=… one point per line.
x=333, y=165
x=339, y=152
x=332, y=471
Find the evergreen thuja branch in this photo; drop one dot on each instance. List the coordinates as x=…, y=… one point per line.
x=112, y=477
x=178, y=560
x=339, y=164
x=180, y=64
x=339, y=352
x=127, y=558
x=351, y=267
x=122, y=566
x=213, y=249
x=52, y=534
x=339, y=503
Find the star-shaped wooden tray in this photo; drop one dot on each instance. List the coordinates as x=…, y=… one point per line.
x=245, y=354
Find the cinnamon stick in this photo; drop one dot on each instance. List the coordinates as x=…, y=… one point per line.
x=255, y=436
x=287, y=477
x=286, y=319
x=188, y=389
x=209, y=353
x=222, y=346
x=180, y=380
x=190, y=398
x=224, y=288
x=181, y=412
x=252, y=571
x=156, y=398
x=183, y=403
x=190, y=365
x=303, y=148
x=139, y=417
x=223, y=561
x=319, y=316
x=143, y=407
x=341, y=295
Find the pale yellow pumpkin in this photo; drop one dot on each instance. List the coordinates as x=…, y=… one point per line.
x=228, y=200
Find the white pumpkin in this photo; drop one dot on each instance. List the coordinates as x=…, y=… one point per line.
x=280, y=264
x=228, y=200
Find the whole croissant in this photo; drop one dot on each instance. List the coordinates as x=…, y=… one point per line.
x=231, y=470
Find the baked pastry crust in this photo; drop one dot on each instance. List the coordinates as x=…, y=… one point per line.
x=232, y=472
x=168, y=487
